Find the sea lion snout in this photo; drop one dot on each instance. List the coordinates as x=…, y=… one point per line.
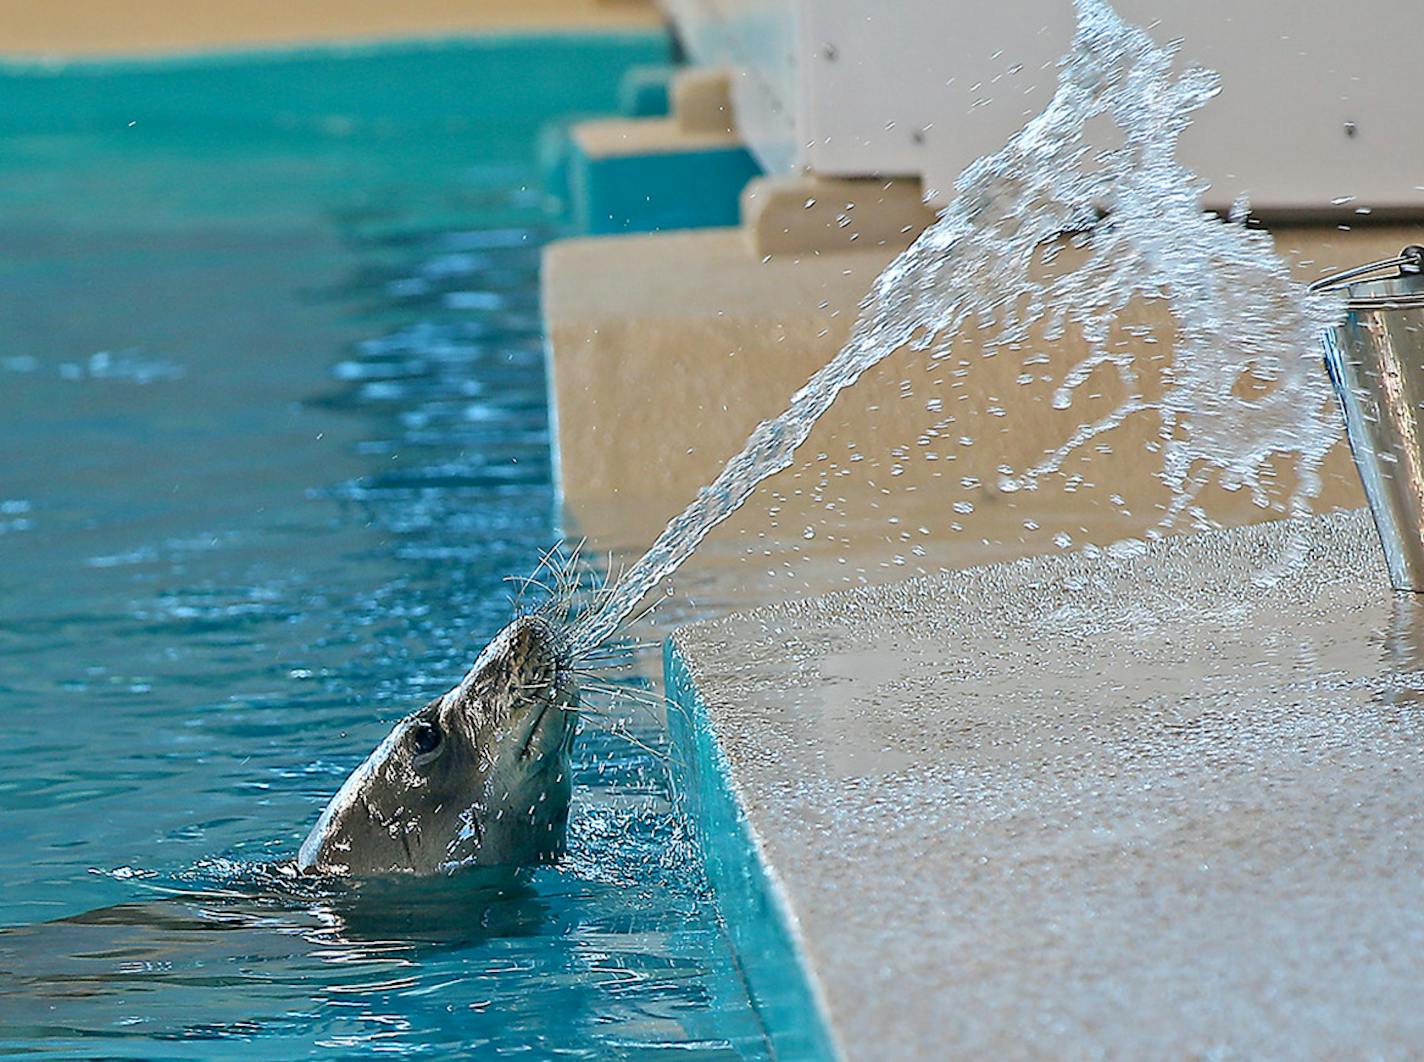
x=532, y=664
x=517, y=669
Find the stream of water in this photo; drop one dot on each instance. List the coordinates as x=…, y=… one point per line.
x=1095, y=174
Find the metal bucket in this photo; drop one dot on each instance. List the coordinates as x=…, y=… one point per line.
x=1376, y=362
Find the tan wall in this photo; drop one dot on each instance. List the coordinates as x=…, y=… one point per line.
x=668, y=349
x=109, y=27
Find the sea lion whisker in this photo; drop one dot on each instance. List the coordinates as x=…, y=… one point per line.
x=559, y=574
x=615, y=731
x=586, y=708
x=646, y=698
x=570, y=564
x=526, y=581
x=620, y=648
x=634, y=693
x=602, y=669
x=589, y=616
x=666, y=757
x=532, y=579
x=611, y=666
x=548, y=556
x=614, y=650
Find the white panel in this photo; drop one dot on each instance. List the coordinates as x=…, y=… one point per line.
x=764, y=86
x=756, y=41
x=701, y=27
x=900, y=88
x=925, y=86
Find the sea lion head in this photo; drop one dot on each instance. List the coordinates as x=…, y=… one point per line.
x=478, y=777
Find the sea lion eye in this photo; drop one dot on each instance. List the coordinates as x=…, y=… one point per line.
x=425, y=738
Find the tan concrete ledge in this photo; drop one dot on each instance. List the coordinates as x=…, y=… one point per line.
x=666, y=351
x=135, y=27
x=799, y=215
x=611, y=138
x=702, y=100
x=1151, y=805
x=701, y=120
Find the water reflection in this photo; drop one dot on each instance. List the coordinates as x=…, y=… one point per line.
x=221, y=957
x=1404, y=652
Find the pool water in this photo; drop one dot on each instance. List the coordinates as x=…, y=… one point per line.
x=273, y=433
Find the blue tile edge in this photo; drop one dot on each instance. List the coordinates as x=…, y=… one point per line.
x=698, y=188
x=750, y=901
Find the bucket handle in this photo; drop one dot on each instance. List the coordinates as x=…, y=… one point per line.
x=1409, y=262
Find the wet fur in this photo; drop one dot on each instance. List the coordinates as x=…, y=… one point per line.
x=496, y=791
x=493, y=790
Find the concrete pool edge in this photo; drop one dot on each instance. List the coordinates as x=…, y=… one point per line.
x=1082, y=803
x=754, y=907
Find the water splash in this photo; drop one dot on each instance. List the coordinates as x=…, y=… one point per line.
x=1099, y=165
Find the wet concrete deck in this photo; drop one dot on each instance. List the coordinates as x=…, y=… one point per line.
x=1161, y=801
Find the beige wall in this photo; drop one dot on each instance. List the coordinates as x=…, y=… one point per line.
x=668, y=349
x=128, y=27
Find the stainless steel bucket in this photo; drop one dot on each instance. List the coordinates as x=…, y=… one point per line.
x=1376, y=362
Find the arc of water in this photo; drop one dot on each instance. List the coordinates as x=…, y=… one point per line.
x=1227, y=289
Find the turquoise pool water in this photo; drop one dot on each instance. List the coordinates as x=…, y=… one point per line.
x=273, y=433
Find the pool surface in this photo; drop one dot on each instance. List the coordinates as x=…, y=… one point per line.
x=273, y=433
